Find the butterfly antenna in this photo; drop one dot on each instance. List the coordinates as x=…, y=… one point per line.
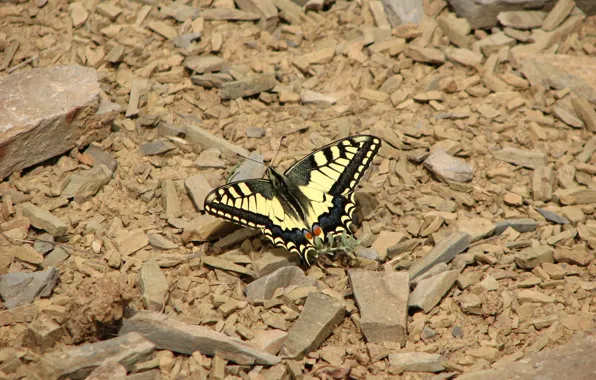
x=278, y=149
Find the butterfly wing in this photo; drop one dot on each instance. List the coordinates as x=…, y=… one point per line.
x=337, y=168
x=329, y=176
x=253, y=204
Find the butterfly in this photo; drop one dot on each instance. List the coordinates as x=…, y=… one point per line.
x=313, y=198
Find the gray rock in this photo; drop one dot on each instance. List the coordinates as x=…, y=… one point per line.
x=154, y=286
x=264, y=287
x=382, y=298
x=417, y=361
x=247, y=87
x=255, y=132
x=157, y=147
x=448, y=168
x=160, y=241
x=249, y=169
x=169, y=334
x=184, y=40
x=319, y=317
x=58, y=255
x=170, y=199
x=21, y=288
x=44, y=220
x=273, y=259
x=35, y=129
x=44, y=243
x=428, y=292
x=94, y=156
x=520, y=225
x=85, y=184
x=180, y=11
x=367, y=253
x=551, y=216
x=78, y=362
x=532, y=257
x=407, y=11
x=198, y=188
x=443, y=252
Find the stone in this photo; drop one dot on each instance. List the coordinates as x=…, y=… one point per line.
x=205, y=227
x=94, y=156
x=264, y=287
x=227, y=265
x=319, y=317
x=373, y=95
x=430, y=291
x=156, y=147
x=108, y=371
x=42, y=334
x=527, y=295
x=569, y=361
x=251, y=168
x=247, y=87
x=558, y=14
x=228, y=14
x=577, y=196
x=205, y=63
x=425, y=55
x=180, y=11
x=78, y=14
x=154, y=286
x=542, y=183
x=569, y=117
x=585, y=111
x=574, y=256
x=528, y=159
x=26, y=313
x=456, y=29
x=34, y=129
x=532, y=257
x=21, y=288
x=201, y=137
x=417, y=361
x=522, y=19
x=443, y=252
x=448, y=168
x=163, y=29
x=183, y=41
x=477, y=228
x=493, y=43
x=270, y=341
x=273, y=259
x=128, y=242
x=382, y=299
x=384, y=240
x=520, y=225
x=161, y=242
x=319, y=57
x=85, y=184
x=108, y=10
x=313, y=97
x=170, y=200
x=57, y=256
x=78, y=362
x=172, y=335
x=464, y=57
x=551, y=216
x=44, y=220
x=27, y=254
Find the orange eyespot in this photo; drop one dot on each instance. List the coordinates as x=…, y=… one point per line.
x=317, y=231
x=308, y=235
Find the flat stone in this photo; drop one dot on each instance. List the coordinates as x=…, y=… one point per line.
x=477, y=228
x=532, y=257
x=265, y=287
x=558, y=14
x=417, y=361
x=85, y=184
x=456, y=29
x=26, y=313
x=247, y=87
x=45, y=244
x=382, y=298
x=527, y=295
x=129, y=242
x=201, y=137
x=448, y=168
x=528, y=159
x=170, y=199
x=251, y=168
x=542, y=183
x=522, y=19
x=520, y=225
x=205, y=63
x=270, y=341
x=570, y=118
x=78, y=362
x=227, y=265
x=574, y=256
x=26, y=253
x=180, y=11
x=205, y=227
x=430, y=291
x=234, y=238
x=34, y=129
x=94, y=156
x=569, y=361
x=552, y=216
x=157, y=147
x=163, y=29
x=42, y=334
x=487, y=353
x=109, y=370
x=493, y=43
x=161, y=242
x=78, y=14
x=255, y=132
x=425, y=55
x=154, y=286
x=465, y=57
x=319, y=317
x=21, y=288
x=55, y=257
x=228, y=14
x=169, y=334
x=577, y=196
x=384, y=240
x=273, y=259
x=183, y=41
x=443, y=252
x=585, y=112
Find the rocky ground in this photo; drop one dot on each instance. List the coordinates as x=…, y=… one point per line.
x=475, y=224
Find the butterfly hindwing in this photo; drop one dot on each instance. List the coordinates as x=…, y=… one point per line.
x=253, y=204
x=337, y=168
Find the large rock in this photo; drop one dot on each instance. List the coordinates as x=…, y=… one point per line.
x=46, y=112
x=21, y=288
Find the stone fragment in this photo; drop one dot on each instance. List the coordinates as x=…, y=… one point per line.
x=161, y=242
x=163, y=29
x=198, y=188
x=247, y=87
x=520, y=225
x=180, y=11
x=568, y=361
x=448, y=168
x=527, y=295
x=85, y=184
x=21, y=288
x=404, y=12
x=384, y=240
x=532, y=257
x=251, y=168
x=156, y=147
x=382, y=298
x=493, y=43
x=430, y=291
x=78, y=362
x=27, y=254
x=443, y=252
x=477, y=228
x=558, y=14
x=456, y=29
x=227, y=265
x=574, y=256
x=228, y=14
x=26, y=313
x=425, y=55
x=154, y=286
x=273, y=259
x=94, y=156
x=528, y=159
x=78, y=14
x=170, y=334
x=108, y=10
x=170, y=200
x=265, y=287
x=205, y=227
x=319, y=317
x=522, y=19
x=42, y=334
x=129, y=242
x=373, y=95
x=551, y=216
x=44, y=220
x=34, y=129
x=313, y=97
x=109, y=371
x=569, y=117
x=585, y=111
x=183, y=41
x=464, y=57
x=201, y=137
x=205, y=63
x=319, y=57
x=577, y=196
x=417, y=361
x=542, y=183
x=270, y=341
x=55, y=257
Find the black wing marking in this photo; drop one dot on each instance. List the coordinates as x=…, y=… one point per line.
x=337, y=168
x=253, y=204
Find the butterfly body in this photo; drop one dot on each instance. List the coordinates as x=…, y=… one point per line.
x=313, y=198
